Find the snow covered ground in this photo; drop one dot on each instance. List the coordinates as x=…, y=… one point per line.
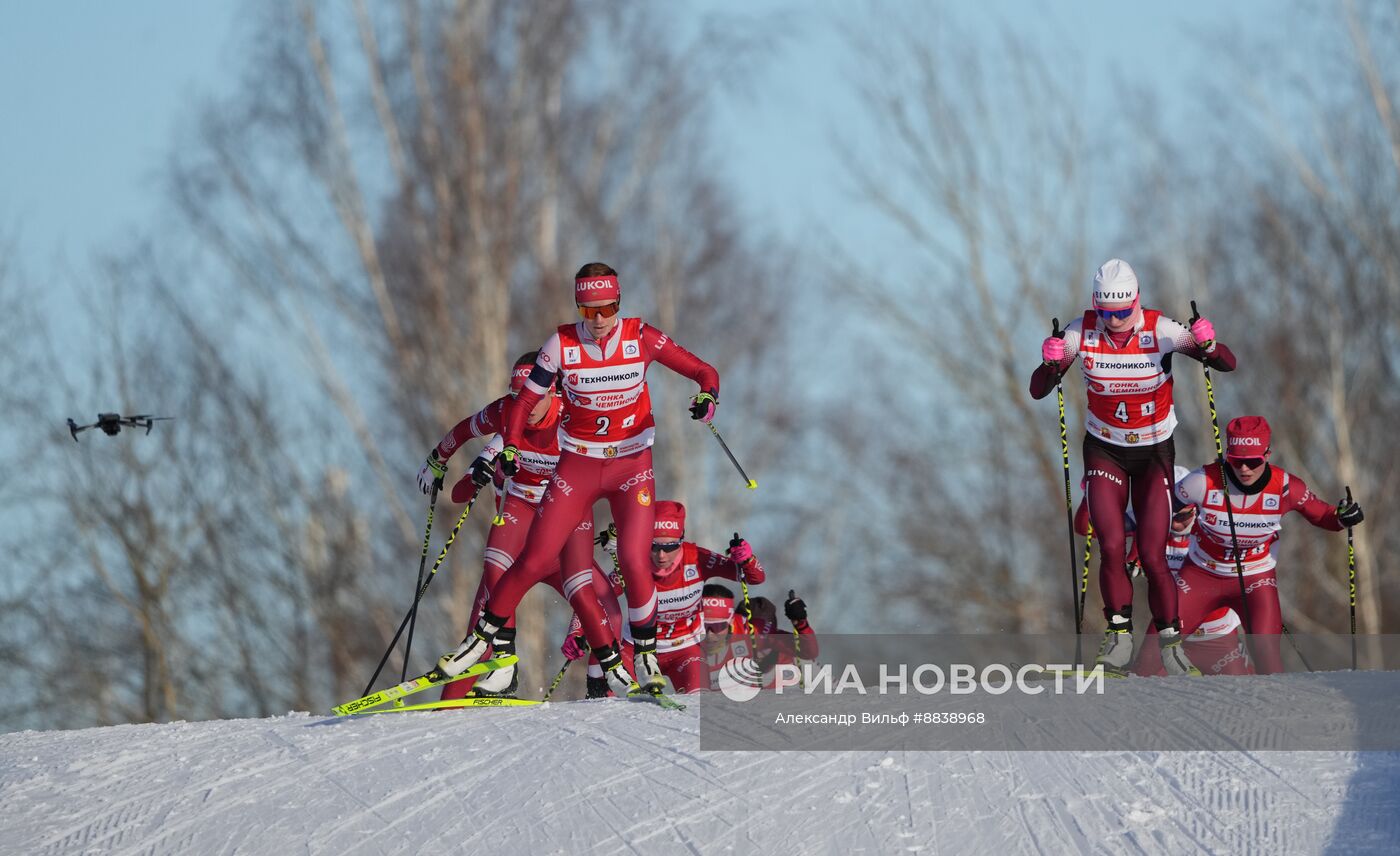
x=614, y=777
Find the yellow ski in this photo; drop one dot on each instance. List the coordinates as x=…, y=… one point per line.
x=418, y=684
x=449, y=704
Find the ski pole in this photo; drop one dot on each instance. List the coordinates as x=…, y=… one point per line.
x=1084, y=578
x=748, y=482
x=744, y=587
x=500, y=518
x=1296, y=649
x=557, y=678
x=796, y=645
x=1074, y=601
x=421, y=589
x=1225, y=484
x=422, y=563
x=1351, y=585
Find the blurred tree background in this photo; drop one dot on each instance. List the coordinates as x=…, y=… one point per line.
x=389, y=208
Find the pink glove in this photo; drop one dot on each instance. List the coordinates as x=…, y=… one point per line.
x=739, y=550
x=575, y=645
x=1052, y=350
x=1204, y=333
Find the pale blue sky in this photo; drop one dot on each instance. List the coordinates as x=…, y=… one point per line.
x=92, y=93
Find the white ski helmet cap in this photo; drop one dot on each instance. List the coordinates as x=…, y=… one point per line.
x=1179, y=472
x=1115, y=283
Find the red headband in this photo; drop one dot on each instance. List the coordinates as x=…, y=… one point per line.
x=518, y=376
x=590, y=288
x=718, y=609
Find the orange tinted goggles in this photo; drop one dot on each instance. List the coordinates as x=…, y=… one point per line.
x=607, y=311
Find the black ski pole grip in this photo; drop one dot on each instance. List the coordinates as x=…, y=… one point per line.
x=1056, y=332
x=1195, y=316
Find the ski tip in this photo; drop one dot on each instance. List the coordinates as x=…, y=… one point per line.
x=752, y=485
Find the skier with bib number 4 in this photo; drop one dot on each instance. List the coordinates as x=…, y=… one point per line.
x=605, y=436
x=1126, y=353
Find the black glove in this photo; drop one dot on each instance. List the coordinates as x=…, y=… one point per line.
x=607, y=536
x=483, y=470
x=1349, y=513
x=794, y=608
x=506, y=461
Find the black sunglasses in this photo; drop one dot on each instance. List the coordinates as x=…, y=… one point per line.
x=665, y=548
x=1250, y=463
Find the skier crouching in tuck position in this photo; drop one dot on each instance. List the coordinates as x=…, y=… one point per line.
x=727, y=634
x=1259, y=495
x=605, y=436
x=1126, y=352
x=680, y=571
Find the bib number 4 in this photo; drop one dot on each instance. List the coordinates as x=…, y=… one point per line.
x=1121, y=411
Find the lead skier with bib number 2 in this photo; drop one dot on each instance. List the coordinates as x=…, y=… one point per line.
x=605, y=438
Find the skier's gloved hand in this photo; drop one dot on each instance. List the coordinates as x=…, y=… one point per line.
x=794, y=608
x=739, y=550
x=506, y=461
x=464, y=490
x=1134, y=569
x=741, y=554
x=1052, y=350
x=1204, y=333
x=702, y=406
x=1349, y=513
x=467, y=486
x=574, y=647
x=434, y=470
x=483, y=470
x=607, y=539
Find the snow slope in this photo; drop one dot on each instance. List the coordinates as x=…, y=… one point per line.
x=614, y=777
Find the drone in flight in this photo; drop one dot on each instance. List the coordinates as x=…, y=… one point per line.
x=111, y=423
